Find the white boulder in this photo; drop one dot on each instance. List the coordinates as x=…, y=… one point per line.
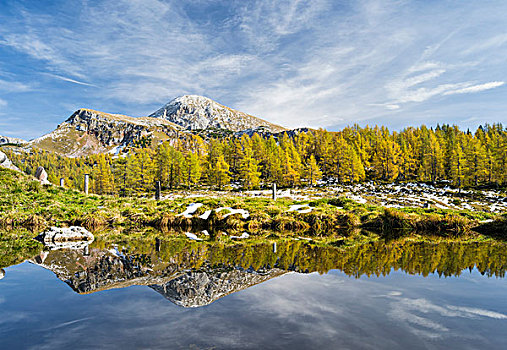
x=41, y=175
x=6, y=163
x=65, y=234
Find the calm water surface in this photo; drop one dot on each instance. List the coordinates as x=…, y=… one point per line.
x=176, y=297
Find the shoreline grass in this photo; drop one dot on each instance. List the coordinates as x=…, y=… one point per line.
x=24, y=202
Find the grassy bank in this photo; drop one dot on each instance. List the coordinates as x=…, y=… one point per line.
x=24, y=202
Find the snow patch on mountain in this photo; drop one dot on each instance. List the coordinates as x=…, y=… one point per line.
x=5, y=140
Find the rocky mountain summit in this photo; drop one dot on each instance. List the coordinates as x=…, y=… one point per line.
x=198, y=112
x=91, y=270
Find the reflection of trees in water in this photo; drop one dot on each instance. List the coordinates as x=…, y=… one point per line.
x=372, y=258
x=15, y=251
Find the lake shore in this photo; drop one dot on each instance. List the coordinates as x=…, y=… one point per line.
x=27, y=203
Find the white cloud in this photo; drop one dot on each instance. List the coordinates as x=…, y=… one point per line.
x=476, y=88
x=314, y=63
x=422, y=94
x=265, y=22
x=492, y=43
x=3, y=103
x=68, y=79
x=32, y=45
x=14, y=86
x=388, y=106
x=422, y=87
x=471, y=311
x=405, y=83
x=422, y=66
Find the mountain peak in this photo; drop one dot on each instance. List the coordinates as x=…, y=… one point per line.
x=199, y=112
x=197, y=98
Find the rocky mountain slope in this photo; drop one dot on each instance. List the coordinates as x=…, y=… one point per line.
x=88, y=132
x=199, y=112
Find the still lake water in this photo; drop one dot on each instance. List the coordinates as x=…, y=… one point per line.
x=179, y=296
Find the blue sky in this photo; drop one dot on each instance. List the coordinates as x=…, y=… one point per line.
x=317, y=63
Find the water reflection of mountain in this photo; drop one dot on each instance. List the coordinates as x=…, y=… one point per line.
x=196, y=274
x=199, y=288
x=92, y=270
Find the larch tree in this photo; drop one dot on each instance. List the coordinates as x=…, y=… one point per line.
x=192, y=169
x=221, y=172
x=312, y=172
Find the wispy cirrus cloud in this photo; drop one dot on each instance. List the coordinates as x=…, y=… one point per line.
x=69, y=79
x=13, y=86
x=34, y=45
x=263, y=23
x=417, y=84
x=476, y=88
x=314, y=63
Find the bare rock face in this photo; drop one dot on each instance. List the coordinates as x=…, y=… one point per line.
x=91, y=270
x=65, y=234
x=114, y=130
x=198, y=112
x=88, y=132
x=41, y=175
x=6, y=163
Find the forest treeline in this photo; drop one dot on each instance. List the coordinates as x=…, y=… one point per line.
x=352, y=155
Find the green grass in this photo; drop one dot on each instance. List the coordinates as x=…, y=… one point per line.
x=26, y=203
